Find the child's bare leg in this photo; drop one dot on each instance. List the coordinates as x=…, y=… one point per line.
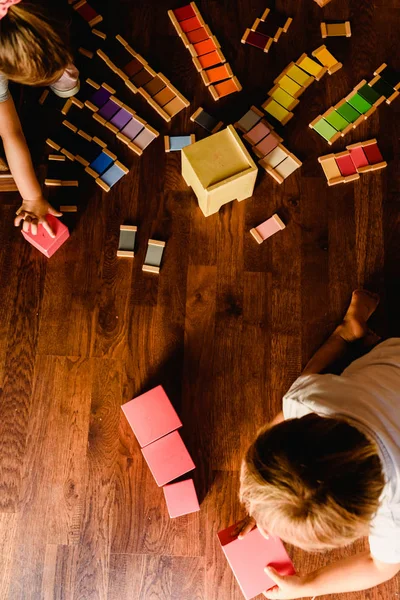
x=353, y=327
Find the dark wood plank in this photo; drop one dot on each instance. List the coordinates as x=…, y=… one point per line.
x=16, y=389
x=54, y=468
x=91, y=577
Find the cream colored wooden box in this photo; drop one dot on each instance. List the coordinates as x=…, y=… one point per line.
x=219, y=169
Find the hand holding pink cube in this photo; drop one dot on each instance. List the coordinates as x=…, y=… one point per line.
x=249, y=556
x=43, y=241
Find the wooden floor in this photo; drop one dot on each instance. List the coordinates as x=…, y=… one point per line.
x=225, y=327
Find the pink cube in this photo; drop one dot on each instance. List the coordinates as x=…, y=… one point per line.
x=168, y=458
x=249, y=556
x=43, y=241
x=151, y=416
x=181, y=498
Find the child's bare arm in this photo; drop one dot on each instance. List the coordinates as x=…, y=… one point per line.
x=18, y=156
x=34, y=207
x=359, y=572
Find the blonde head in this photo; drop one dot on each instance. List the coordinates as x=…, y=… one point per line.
x=315, y=482
x=33, y=48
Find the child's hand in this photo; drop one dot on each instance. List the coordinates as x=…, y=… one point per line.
x=33, y=212
x=243, y=527
x=287, y=587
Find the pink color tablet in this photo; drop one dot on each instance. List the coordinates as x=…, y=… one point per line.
x=358, y=157
x=269, y=227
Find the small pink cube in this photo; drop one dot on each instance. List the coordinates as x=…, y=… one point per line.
x=168, y=458
x=181, y=498
x=249, y=556
x=43, y=241
x=151, y=416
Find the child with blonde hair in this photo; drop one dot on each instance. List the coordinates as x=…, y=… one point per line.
x=326, y=471
x=33, y=51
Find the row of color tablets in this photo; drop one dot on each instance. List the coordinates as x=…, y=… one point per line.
x=266, y=30
x=118, y=117
x=155, y=422
x=275, y=159
x=347, y=165
x=361, y=103
x=294, y=80
x=205, y=50
x=92, y=153
x=137, y=74
x=87, y=12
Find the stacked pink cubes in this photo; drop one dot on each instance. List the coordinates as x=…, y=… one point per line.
x=155, y=422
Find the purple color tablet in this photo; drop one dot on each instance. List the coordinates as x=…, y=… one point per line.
x=100, y=97
x=121, y=118
x=144, y=138
x=109, y=110
x=132, y=128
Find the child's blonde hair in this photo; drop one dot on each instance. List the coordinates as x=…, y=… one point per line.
x=315, y=482
x=33, y=48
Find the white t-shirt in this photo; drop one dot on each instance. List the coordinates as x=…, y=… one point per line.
x=366, y=395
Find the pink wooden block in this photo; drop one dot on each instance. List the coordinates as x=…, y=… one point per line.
x=268, y=228
x=181, y=498
x=151, y=416
x=43, y=241
x=249, y=556
x=168, y=458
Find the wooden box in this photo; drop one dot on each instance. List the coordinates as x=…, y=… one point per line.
x=219, y=169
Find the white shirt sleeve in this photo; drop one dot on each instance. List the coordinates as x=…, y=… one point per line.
x=384, y=539
x=4, y=92
x=304, y=397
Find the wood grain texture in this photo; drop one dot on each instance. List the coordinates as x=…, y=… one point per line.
x=225, y=327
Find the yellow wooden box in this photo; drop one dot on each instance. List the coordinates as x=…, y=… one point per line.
x=219, y=169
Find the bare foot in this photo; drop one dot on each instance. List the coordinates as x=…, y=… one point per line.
x=362, y=305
